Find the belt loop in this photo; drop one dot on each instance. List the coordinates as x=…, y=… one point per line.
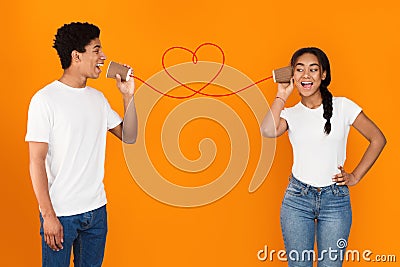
x=333, y=188
x=290, y=177
x=307, y=188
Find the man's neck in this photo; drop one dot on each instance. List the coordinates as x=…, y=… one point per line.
x=73, y=79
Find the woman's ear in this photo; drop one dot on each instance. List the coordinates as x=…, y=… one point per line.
x=323, y=75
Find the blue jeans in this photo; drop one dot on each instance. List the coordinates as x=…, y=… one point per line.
x=84, y=233
x=315, y=213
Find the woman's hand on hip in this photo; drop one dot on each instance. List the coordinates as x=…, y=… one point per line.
x=345, y=178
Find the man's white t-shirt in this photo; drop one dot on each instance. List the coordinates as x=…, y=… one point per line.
x=74, y=122
x=316, y=155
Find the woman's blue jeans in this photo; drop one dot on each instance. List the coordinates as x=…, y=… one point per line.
x=321, y=214
x=84, y=233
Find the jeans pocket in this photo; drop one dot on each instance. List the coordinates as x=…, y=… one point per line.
x=295, y=190
x=342, y=190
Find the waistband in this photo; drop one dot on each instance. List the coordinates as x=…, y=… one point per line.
x=332, y=187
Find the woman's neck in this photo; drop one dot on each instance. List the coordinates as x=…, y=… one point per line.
x=312, y=101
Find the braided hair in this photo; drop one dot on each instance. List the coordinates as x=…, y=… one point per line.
x=325, y=94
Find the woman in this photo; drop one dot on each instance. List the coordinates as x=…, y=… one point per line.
x=316, y=205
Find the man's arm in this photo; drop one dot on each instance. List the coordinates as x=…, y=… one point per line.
x=53, y=230
x=127, y=130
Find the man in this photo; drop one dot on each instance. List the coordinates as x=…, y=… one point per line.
x=67, y=126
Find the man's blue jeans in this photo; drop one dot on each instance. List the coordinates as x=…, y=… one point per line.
x=84, y=233
x=322, y=214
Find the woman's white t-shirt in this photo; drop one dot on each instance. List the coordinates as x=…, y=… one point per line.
x=316, y=156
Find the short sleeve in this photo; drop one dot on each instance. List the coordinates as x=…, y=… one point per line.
x=113, y=119
x=350, y=110
x=284, y=114
x=39, y=120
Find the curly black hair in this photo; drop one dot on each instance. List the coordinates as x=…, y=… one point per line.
x=73, y=36
x=326, y=95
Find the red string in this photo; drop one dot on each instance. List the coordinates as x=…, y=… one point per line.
x=195, y=60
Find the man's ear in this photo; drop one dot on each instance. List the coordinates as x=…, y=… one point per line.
x=75, y=56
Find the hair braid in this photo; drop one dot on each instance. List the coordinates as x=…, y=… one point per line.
x=328, y=107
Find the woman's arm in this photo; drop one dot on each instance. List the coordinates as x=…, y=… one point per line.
x=377, y=142
x=268, y=127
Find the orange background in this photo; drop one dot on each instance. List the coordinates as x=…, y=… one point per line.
x=257, y=36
